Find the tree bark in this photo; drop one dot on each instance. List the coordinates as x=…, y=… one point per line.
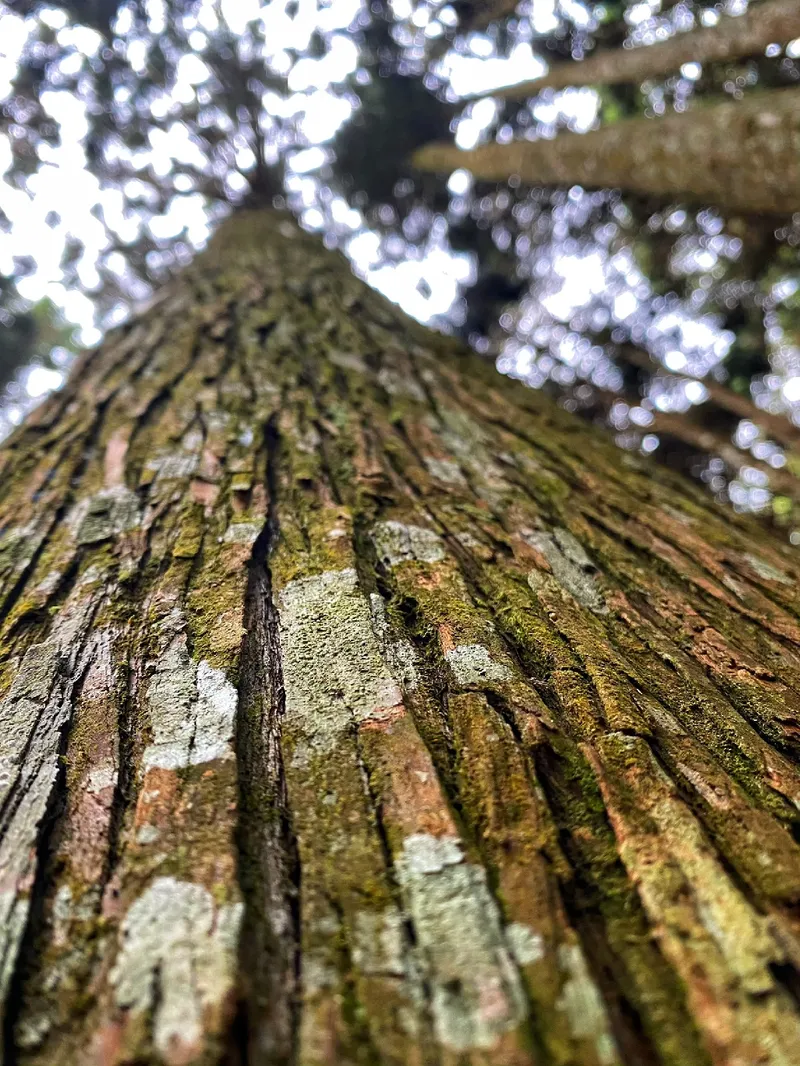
x=771, y=22
x=741, y=156
x=362, y=706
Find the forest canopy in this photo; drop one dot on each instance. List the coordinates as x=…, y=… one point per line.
x=670, y=309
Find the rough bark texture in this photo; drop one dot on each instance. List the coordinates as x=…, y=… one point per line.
x=734, y=37
x=695, y=156
x=361, y=706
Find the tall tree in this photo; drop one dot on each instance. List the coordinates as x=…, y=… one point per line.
x=696, y=156
x=362, y=706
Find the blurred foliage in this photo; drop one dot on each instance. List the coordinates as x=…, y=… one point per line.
x=189, y=108
x=33, y=334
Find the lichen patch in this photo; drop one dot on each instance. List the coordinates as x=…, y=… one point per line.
x=349, y=361
x=525, y=945
x=581, y=1002
x=333, y=670
x=192, y=709
x=572, y=568
x=445, y=470
x=397, y=543
x=24, y=706
x=766, y=570
x=399, y=654
x=476, y=994
x=105, y=515
x=177, y=960
x=472, y=664
x=242, y=533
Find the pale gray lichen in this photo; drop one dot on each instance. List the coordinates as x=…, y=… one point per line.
x=308, y=442
x=173, y=466
x=349, y=361
x=13, y=920
x=462, y=430
x=766, y=570
x=397, y=543
x=48, y=585
x=102, y=776
x=581, y=1002
x=242, y=533
x=472, y=664
x=19, y=544
x=400, y=656
x=469, y=541
x=572, y=568
x=476, y=993
x=23, y=707
x=179, y=463
x=177, y=960
x=105, y=515
x=318, y=974
x=524, y=944
x=473, y=455
x=379, y=943
x=445, y=470
x=33, y=714
x=192, y=708
x=333, y=670
x=397, y=384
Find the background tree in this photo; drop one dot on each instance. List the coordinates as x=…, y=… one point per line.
x=772, y=22
x=221, y=93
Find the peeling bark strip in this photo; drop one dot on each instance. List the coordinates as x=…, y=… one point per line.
x=445, y=740
x=692, y=156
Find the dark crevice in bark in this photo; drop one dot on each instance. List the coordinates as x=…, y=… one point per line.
x=434, y=726
x=599, y=895
x=535, y=672
x=85, y=455
x=235, y=311
x=309, y=378
x=35, y=622
x=265, y=1031
x=28, y=960
x=125, y=785
x=155, y=406
x=409, y=932
x=787, y=975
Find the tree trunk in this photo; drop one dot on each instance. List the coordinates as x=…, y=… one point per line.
x=362, y=706
x=742, y=156
x=734, y=37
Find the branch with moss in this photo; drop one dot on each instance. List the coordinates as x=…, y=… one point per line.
x=733, y=37
x=740, y=156
x=776, y=426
